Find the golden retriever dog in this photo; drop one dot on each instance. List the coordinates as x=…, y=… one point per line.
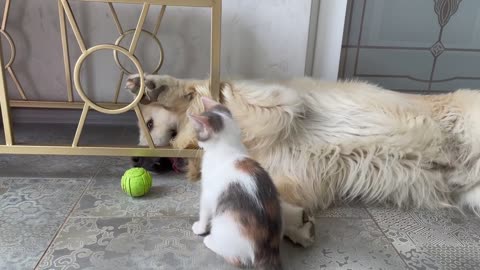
x=324, y=142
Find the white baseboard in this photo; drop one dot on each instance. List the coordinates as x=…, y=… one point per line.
x=327, y=20
x=57, y=116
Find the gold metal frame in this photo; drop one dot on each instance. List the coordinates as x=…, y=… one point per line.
x=66, y=14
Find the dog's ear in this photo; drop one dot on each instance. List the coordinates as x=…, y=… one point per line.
x=151, y=94
x=190, y=93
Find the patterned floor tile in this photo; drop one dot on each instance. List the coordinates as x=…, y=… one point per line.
x=130, y=243
x=352, y=210
x=168, y=243
x=4, y=186
x=31, y=212
x=432, y=239
x=345, y=243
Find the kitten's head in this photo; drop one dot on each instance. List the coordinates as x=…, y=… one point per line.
x=215, y=124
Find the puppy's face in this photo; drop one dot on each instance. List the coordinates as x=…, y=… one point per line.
x=163, y=90
x=161, y=123
x=162, y=104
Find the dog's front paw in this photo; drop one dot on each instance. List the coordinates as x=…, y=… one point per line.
x=133, y=83
x=199, y=228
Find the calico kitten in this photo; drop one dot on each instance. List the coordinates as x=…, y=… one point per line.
x=239, y=205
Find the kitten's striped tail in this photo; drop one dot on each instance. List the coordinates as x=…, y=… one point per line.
x=271, y=262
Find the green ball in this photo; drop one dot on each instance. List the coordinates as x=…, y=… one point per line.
x=136, y=182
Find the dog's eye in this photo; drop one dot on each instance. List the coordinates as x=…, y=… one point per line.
x=150, y=124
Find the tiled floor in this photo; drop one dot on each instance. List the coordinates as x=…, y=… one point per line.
x=70, y=213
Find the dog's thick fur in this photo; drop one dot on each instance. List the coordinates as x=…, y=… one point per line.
x=328, y=141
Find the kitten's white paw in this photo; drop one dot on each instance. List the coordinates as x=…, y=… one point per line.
x=198, y=228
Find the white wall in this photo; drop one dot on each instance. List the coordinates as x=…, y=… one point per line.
x=265, y=38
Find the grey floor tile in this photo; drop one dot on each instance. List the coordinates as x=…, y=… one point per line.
x=109, y=230
x=166, y=198
x=130, y=135
x=171, y=195
x=57, y=166
x=31, y=212
x=442, y=239
x=48, y=166
x=116, y=166
x=168, y=243
x=64, y=133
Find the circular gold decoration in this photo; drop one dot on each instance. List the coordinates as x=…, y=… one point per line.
x=79, y=87
x=150, y=34
x=12, y=48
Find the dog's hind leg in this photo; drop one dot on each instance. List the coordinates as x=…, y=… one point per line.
x=298, y=226
x=471, y=199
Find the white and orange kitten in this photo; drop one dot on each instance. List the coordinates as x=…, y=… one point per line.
x=239, y=206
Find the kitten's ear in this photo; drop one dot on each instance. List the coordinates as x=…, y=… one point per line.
x=198, y=120
x=209, y=103
x=201, y=125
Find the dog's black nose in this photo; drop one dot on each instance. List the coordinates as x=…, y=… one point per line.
x=137, y=161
